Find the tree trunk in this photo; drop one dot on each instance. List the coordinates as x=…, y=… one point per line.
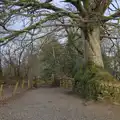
x=1, y=73
x=92, y=46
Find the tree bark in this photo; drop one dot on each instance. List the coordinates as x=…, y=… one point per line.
x=92, y=47
x=1, y=73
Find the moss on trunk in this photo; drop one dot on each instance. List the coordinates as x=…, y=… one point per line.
x=92, y=48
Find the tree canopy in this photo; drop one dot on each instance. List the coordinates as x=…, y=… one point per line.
x=36, y=13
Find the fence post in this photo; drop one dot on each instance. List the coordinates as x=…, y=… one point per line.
x=63, y=83
x=1, y=90
x=29, y=84
x=16, y=86
x=66, y=83
x=23, y=83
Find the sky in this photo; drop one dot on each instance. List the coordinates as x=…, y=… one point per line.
x=19, y=25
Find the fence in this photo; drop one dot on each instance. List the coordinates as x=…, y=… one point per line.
x=109, y=90
x=66, y=83
x=8, y=91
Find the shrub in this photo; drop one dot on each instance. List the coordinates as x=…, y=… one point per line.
x=94, y=83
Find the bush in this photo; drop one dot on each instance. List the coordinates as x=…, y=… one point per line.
x=94, y=83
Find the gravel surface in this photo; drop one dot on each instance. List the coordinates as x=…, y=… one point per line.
x=55, y=104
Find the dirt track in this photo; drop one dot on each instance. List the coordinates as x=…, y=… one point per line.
x=55, y=104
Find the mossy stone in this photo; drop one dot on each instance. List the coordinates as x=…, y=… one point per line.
x=93, y=82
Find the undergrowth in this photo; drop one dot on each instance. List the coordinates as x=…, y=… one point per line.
x=96, y=83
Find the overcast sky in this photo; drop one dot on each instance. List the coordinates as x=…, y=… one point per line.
x=18, y=25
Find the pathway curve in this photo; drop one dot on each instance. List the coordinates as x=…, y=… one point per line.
x=54, y=104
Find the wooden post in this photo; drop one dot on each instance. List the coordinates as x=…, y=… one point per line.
x=16, y=87
x=28, y=84
x=23, y=83
x=66, y=83
x=63, y=83
x=1, y=90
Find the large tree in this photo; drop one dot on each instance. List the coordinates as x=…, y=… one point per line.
x=89, y=15
x=92, y=19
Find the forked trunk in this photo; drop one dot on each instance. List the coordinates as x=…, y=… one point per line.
x=92, y=46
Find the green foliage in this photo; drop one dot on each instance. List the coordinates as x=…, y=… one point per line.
x=58, y=59
x=94, y=83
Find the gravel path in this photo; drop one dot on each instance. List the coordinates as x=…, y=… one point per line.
x=54, y=104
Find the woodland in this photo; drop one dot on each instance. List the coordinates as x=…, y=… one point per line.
x=77, y=39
